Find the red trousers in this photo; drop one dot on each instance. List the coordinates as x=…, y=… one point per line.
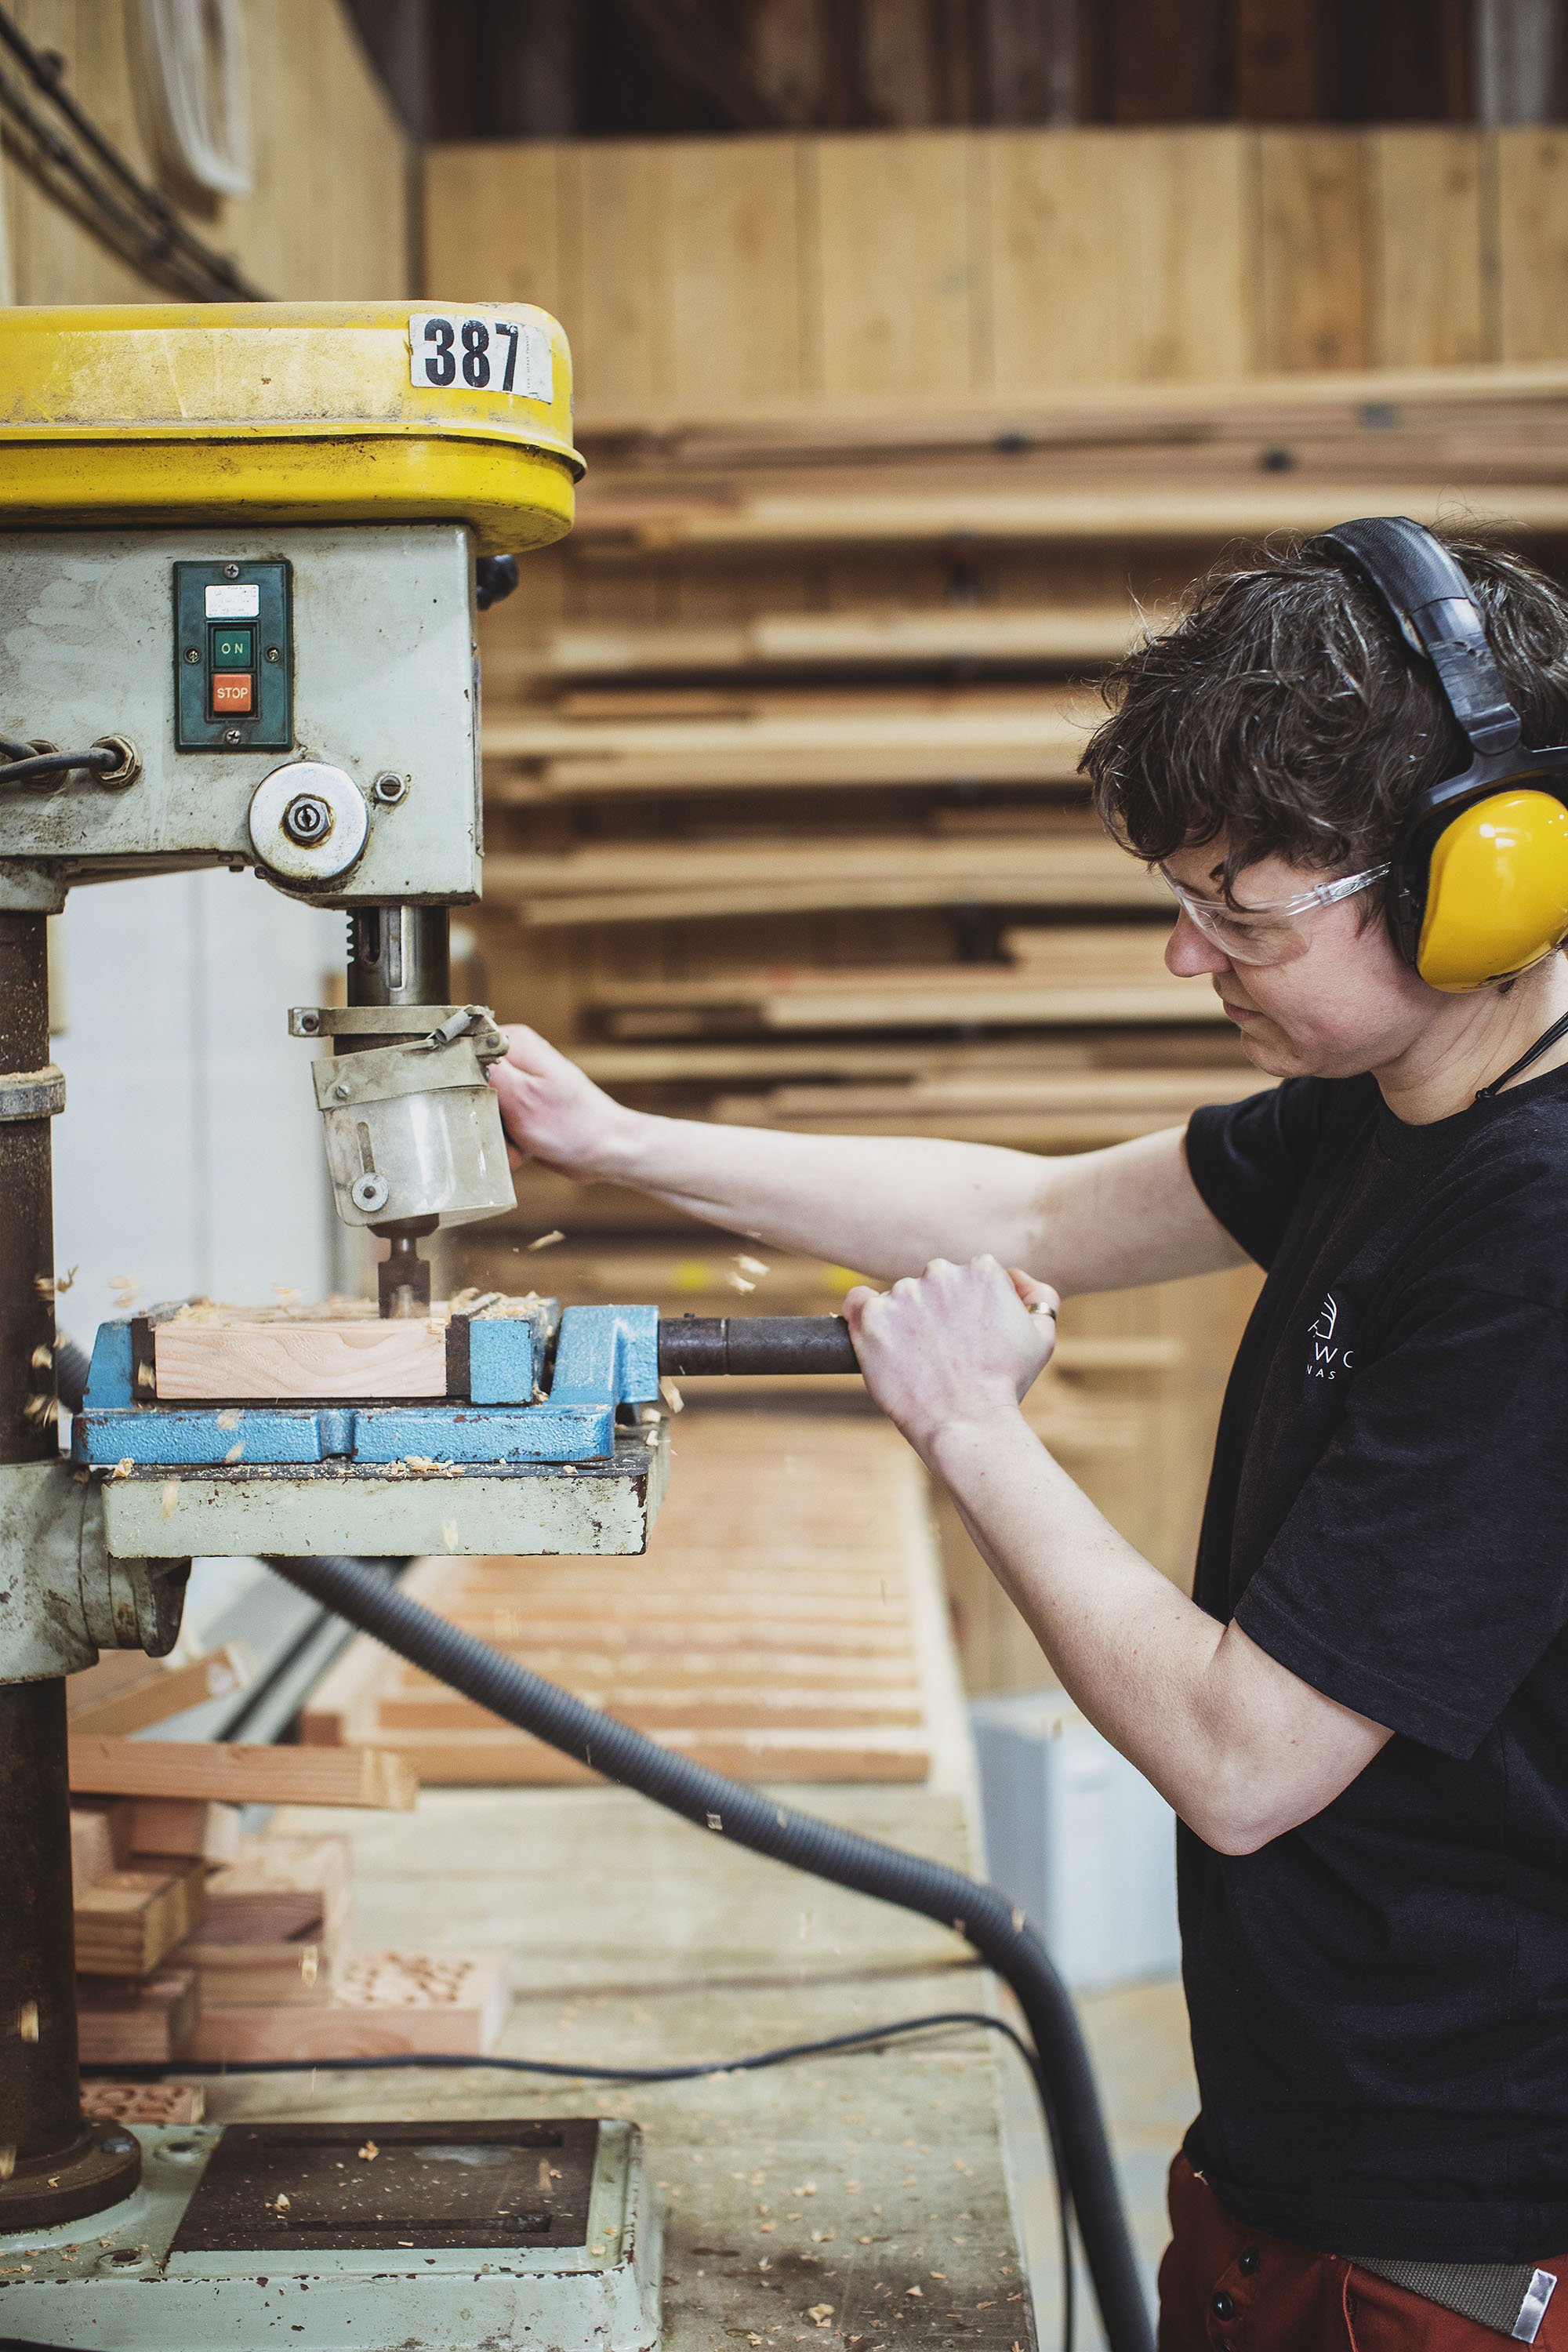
x=1227, y=2288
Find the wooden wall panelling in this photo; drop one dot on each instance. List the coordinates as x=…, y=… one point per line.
x=896, y=295
x=614, y=279
x=733, y=265
x=492, y=224
x=1312, y=288
x=1191, y=246
x=329, y=217
x=1532, y=235
x=1056, y=254
x=1431, y=298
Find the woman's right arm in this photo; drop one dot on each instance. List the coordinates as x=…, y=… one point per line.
x=883, y=1205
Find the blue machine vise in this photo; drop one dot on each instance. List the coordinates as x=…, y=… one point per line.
x=526, y=1382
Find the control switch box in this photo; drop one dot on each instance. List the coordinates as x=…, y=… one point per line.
x=234, y=658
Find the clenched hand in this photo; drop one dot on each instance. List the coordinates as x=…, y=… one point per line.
x=962, y=1343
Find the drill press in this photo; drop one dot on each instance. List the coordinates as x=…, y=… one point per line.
x=237, y=608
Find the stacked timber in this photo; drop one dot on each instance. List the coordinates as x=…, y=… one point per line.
x=196, y=1941
x=786, y=827
x=785, y=1624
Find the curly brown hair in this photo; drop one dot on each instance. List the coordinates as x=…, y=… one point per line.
x=1285, y=711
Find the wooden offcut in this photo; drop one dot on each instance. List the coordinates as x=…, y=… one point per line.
x=386, y=2004
x=239, y=1775
x=125, y=1691
x=130, y=2022
x=127, y=1921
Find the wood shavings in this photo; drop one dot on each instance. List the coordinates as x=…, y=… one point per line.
x=369, y=2152
x=449, y=1534
x=38, y=1407
x=424, y=1465
x=124, y=1286
x=64, y=1281
x=569, y=1469
x=45, y=1285
x=738, y=1282
x=123, y=1469
x=547, y=1241
x=28, y=2021
x=169, y=1501
x=230, y=1419
x=282, y=2202
x=42, y=1359
x=235, y=1452
x=672, y=1396
x=7, y=2162
x=286, y=1292
x=752, y=1265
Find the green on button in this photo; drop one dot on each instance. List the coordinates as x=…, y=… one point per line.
x=231, y=648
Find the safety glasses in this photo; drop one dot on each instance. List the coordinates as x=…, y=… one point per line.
x=1268, y=934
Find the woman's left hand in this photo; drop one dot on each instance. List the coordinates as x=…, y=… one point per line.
x=961, y=1343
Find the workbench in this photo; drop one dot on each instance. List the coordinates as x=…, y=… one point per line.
x=854, y=2202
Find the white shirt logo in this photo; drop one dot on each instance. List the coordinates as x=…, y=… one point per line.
x=1327, y=1358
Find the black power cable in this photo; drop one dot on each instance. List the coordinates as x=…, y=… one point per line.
x=37, y=766
x=148, y=225
x=996, y=1929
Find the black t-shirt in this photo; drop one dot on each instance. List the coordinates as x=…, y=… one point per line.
x=1379, y=1998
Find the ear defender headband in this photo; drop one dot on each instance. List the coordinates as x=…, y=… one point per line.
x=1477, y=888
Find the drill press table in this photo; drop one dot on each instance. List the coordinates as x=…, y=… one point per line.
x=801, y=2205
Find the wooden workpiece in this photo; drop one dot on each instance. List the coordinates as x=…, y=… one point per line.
x=346, y=1350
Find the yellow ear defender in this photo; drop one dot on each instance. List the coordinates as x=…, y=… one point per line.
x=1477, y=888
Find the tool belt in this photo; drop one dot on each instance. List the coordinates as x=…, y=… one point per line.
x=1511, y=2298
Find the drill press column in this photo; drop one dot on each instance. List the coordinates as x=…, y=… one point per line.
x=52, y=2167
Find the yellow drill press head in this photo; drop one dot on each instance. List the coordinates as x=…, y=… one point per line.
x=240, y=546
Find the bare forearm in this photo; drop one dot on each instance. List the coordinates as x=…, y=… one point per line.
x=1211, y=1720
x=884, y=1205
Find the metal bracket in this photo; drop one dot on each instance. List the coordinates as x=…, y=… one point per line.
x=62, y=1598
x=33, y=1093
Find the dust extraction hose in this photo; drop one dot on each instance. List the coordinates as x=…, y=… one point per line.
x=985, y=1919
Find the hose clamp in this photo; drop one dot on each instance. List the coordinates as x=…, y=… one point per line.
x=32, y=1094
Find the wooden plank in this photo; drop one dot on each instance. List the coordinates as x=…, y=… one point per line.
x=732, y=260
x=882, y=637
x=237, y=1775
x=223, y=1354
x=1531, y=236
x=181, y=1829
x=509, y=1759
x=1312, y=207
x=1429, y=306
x=145, y=2022
x=161, y=1689
x=1077, y=861
x=930, y=996
x=894, y=294
x=387, y=2004
x=127, y=1921
x=1203, y=516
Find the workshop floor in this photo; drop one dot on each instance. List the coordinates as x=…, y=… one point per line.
x=1138, y=2038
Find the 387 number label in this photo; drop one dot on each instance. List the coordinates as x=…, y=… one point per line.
x=479, y=354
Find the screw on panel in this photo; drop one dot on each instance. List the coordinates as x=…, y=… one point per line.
x=232, y=736
x=192, y=653
x=273, y=653
x=307, y=819
x=389, y=788
x=231, y=571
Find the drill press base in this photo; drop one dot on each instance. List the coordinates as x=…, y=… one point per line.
x=356, y=2238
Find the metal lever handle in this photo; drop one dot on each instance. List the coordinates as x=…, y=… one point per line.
x=691, y=1345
